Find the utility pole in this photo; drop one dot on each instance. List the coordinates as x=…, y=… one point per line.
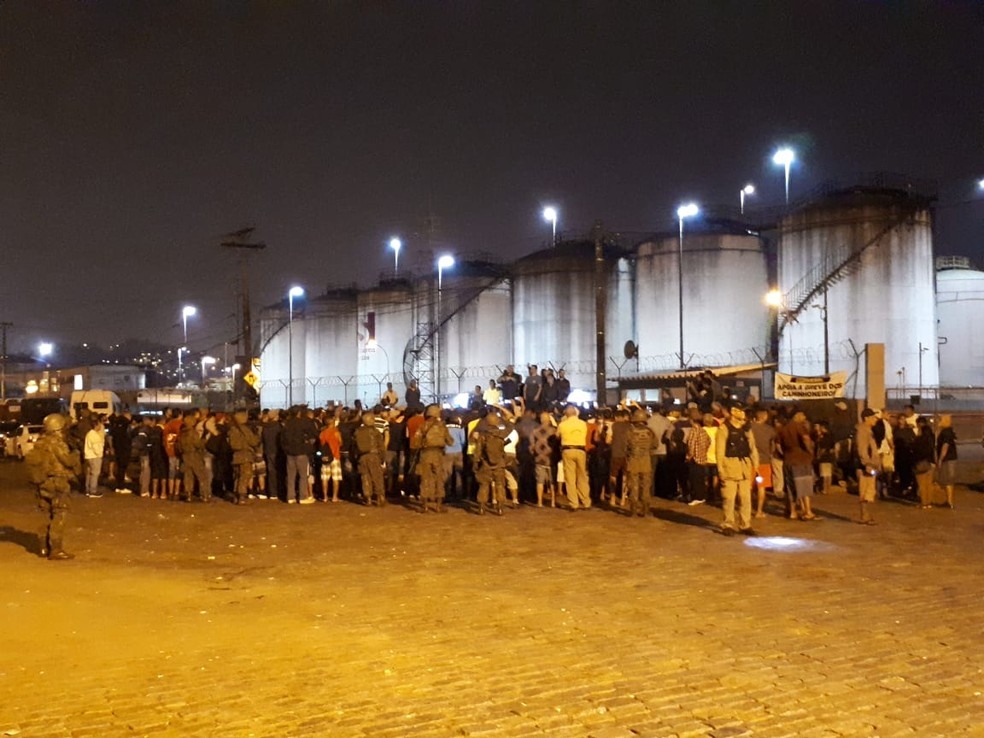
x=601, y=307
x=4, y=325
x=238, y=240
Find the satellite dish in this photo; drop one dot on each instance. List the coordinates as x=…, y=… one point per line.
x=631, y=351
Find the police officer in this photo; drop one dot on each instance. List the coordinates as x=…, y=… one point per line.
x=369, y=446
x=640, y=443
x=52, y=465
x=193, y=458
x=737, y=462
x=245, y=445
x=432, y=438
x=490, y=461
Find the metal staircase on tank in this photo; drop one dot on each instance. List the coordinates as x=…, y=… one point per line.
x=419, y=357
x=837, y=265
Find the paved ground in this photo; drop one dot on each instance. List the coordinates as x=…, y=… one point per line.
x=337, y=620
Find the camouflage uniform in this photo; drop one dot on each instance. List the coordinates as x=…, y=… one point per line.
x=52, y=465
x=192, y=447
x=433, y=438
x=639, y=467
x=245, y=445
x=490, y=464
x=369, y=445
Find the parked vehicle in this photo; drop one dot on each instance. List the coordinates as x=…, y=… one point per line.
x=8, y=437
x=100, y=402
x=26, y=439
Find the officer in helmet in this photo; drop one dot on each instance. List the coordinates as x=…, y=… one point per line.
x=51, y=465
x=431, y=439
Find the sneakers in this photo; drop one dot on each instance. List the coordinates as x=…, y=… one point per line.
x=60, y=556
x=123, y=491
x=93, y=494
x=307, y=501
x=692, y=503
x=291, y=501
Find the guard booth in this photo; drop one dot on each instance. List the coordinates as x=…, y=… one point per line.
x=741, y=382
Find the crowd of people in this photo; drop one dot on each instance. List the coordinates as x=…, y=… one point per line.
x=532, y=448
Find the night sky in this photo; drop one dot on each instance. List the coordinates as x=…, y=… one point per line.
x=133, y=135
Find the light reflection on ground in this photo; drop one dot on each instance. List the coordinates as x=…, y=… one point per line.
x=785, y=543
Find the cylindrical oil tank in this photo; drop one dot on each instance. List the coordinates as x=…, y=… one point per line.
x=553, y=310
x=862, y=258
x=386, y=320
x=475, y=339
x=323, y=336
x=725, y=278
x=959, y=308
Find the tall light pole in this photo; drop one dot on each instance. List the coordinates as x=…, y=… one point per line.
x=689, y=210
x=773, y=298
x=444, y=262
x=822, y=307
x=291, y=294
x=396, y=244
x=550, y=215
x=784, y=157
x=180, y=368
x=206, y=360
x=186, y=312
x=744, y=192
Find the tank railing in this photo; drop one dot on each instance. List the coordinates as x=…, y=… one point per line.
x=424, y=338
x=835, y=267
x=953, y=262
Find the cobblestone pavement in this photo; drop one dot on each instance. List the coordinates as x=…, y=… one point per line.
x=341, y=620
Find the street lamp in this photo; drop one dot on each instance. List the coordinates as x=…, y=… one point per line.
x=206, y=360
x=748, y=189
x=784, y=157
x=181, y=349
x=689, y=210
x=980, y=184
x=550, y=215
x=444, y=262
x=186, y=312
x=396, y=244
x=291, y=294
x=45, y=349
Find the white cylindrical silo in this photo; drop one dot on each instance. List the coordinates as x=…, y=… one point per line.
x=871, y=251
x=385, y=323
x=724, y=279
x=959, y=309
x=553, y=310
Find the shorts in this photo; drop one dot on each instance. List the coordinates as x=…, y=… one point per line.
x=826, y=469
x=765, y=473
x=332, y=470
x=173, y=467
x=866, y=486
x=617, y=465
x=559, y=477
x=544, y=475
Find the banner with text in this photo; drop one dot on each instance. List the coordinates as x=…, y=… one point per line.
x=790, y=387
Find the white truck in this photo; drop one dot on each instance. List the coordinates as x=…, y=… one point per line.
x=100, y=402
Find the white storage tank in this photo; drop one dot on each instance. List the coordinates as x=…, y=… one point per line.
x=386, y=320
x=725, y=279
x=476, y=332
x=553, y=310
x=871, y=247
x=324, y=349
x=960, y=310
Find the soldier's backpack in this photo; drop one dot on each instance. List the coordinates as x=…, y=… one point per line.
x=493, y=449
x=640, y=441
x=364, y=441
x=37, y=467
x=736, y=445
x=433, y=435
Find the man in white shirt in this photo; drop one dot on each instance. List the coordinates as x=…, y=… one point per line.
x=94, y=447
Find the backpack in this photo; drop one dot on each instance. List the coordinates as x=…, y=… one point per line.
x=171, y=444
x=493, y=449
x=37, y=469
x=433, y=435
x=364, y=441
x=640, y=441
